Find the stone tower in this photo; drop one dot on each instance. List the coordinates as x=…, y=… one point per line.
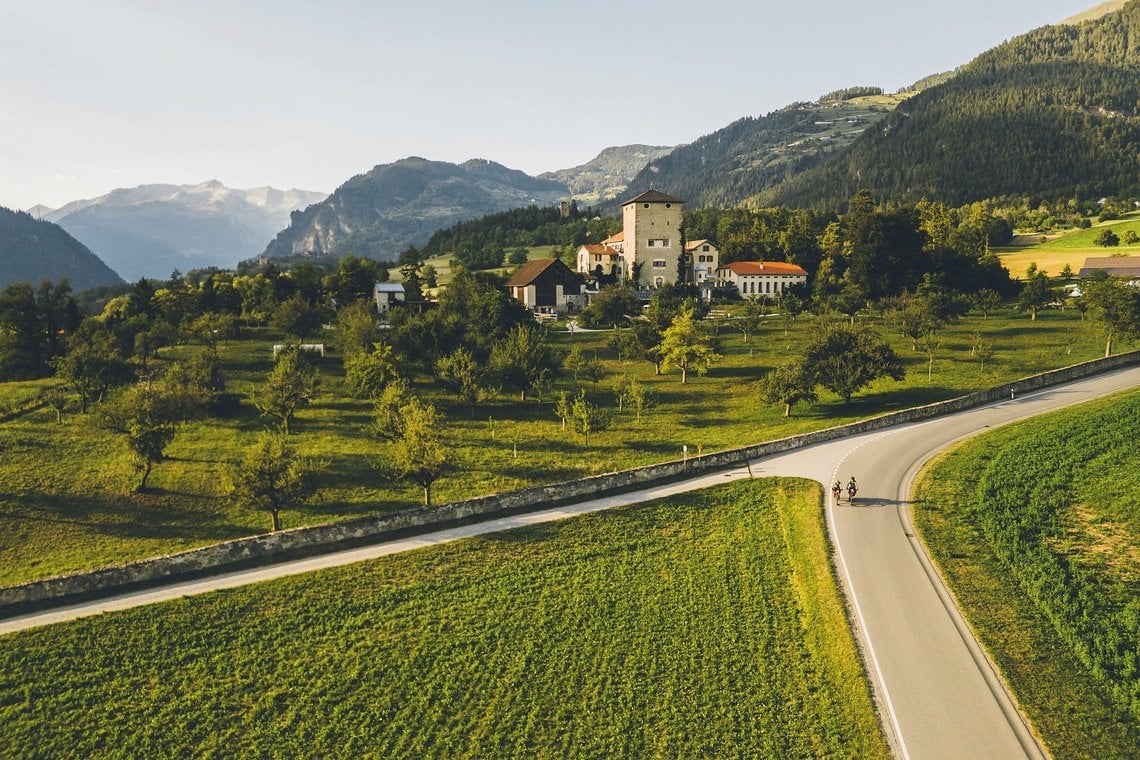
x=651, y=226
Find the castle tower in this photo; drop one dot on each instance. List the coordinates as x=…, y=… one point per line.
x=651, y=226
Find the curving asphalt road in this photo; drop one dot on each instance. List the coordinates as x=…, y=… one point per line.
x=939, y=694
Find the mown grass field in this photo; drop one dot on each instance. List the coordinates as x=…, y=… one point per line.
x=66, y=505
x=1071, y=248
x=1037, y=529
x=442, y=263
x=705, y=625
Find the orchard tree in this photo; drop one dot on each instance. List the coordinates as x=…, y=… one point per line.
x=424, y=451
x=687, y=346
x=586, y=418
x=366, y=374
x=788, y=384
x=388, y=410
x=461, y=374
x=611, y=306
x=356, y=329
x=844, y=360
x=1037, y=292
x=92, y=363
x=291, y=384
x=147, y=418
x=1115, y=305
x=985, y=301
x=270, y=477
x=751, y=318
x=524, y=360
x=296, y=317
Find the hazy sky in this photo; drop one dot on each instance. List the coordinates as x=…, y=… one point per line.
x=98, y=94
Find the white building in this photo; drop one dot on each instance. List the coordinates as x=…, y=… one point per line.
x=704, y=260
x=761, y=278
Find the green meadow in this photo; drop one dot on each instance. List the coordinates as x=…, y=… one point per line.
x=1036, y=528
x=65, y=490
x=704, y=625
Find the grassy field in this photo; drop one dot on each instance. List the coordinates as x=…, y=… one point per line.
x=1037, y=529
x=442, y=263
x=1071, y=248
x=705, y=625
x=65, y=500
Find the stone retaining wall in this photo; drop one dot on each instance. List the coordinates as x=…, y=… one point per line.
x=290, y=544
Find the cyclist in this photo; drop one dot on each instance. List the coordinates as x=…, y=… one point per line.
x=852, y=489
x=836, y=490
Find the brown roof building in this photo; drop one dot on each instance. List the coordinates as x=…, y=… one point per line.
x=1116, y=266
x=546, y=285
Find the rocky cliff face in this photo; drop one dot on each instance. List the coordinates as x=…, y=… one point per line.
x=606, y=176
x=382, y=212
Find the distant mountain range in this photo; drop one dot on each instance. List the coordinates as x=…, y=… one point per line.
x=32, y=249
x=379, y=214
x=607, y=175
x=149, y=230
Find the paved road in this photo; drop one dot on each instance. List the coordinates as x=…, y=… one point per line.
x=939, y=694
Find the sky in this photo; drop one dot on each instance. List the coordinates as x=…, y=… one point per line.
x=100, y=94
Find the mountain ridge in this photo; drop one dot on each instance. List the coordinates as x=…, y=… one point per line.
x=149, y=230
x=34, y=249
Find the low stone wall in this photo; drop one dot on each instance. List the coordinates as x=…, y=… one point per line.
x=299, y=542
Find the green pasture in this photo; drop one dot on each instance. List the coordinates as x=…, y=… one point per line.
x=1036, y=528
x=1070, y=248
x=704, y=625
x=65, y=490
x=442, y=263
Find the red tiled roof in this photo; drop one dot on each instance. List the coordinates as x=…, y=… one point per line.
x=764, y=267
x=653, y=196
x=617, y=238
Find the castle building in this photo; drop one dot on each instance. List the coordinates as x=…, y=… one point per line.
x=649, y=250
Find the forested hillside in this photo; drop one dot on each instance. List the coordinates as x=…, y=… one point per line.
x=756, y=153
x=32, y=250
x=1053, y=112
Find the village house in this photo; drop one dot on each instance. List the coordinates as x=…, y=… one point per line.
x=648, y=248
x=385, y=294
x=547, y=286
x=761, y=278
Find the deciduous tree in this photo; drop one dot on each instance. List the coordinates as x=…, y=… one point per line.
x=788, y=384
x=687, y=346
x=270, y=477
x=843, y=360
x=291, y=384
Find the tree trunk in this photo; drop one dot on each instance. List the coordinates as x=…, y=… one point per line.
x=146, y=474
x=787, y=410
x=276, y=519
x=522, y=395
x=427, y=495
x=1108, y=347
x=684, y=375
x=1033, y=314
x=930, y=368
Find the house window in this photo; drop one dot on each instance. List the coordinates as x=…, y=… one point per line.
x=659, y=263
x=704, y=248
x=665, y=243
x=652, y=242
